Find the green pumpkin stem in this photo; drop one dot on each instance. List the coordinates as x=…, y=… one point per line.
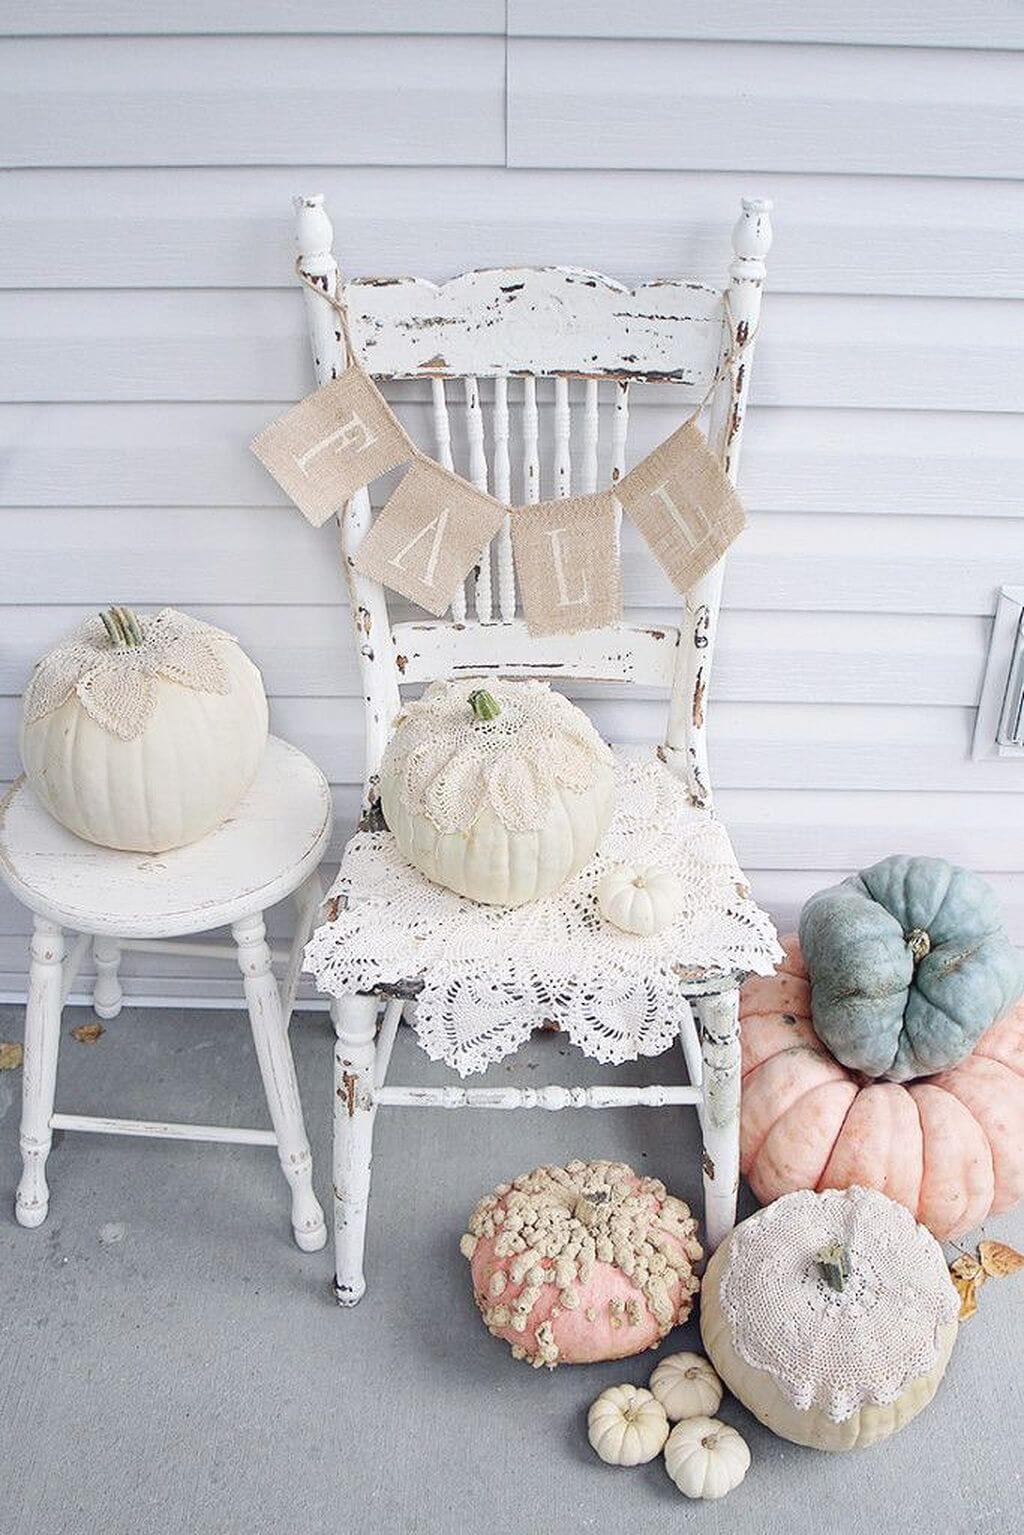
x=122, y=627
x=834, y=1263
x=484, y=705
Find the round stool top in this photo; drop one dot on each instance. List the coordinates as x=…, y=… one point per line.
x=273, y=839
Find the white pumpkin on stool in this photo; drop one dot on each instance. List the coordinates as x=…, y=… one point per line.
x=143, y=732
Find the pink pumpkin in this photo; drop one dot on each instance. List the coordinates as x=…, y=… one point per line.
x=949, y=1147
x=584, y=1262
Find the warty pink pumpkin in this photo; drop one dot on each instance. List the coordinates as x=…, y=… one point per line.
x=583, y=1262
x=949, y=1147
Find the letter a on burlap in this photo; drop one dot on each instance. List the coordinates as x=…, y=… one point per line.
x=429, y=535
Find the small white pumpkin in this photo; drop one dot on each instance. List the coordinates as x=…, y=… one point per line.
x=706, y=1458
x=501, y=794
x=627, y=1426
x=143, y=732
x=640, y=900
x=687, y=1387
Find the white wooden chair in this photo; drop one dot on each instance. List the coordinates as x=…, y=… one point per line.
x=268, y=849
x=513, y=327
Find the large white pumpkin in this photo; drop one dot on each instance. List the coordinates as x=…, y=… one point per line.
x=143, y=733
x=499, y=794
x=830, y=1316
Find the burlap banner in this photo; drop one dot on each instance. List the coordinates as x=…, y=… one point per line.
x=567, y=564
x=436, y=525
x=333, y=443
x=684, y=506
x=429, y=535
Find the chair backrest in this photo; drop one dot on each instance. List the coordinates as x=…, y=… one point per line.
x=516, y=329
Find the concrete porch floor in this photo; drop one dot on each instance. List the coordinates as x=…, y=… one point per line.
x=170, y=1364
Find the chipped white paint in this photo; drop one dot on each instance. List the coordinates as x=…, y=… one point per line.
x=540, y=321
x=269, y=849
x=355, y=1023
x=529, y=323
x=424, y=651
x=553, y=1097
x=720, y=1122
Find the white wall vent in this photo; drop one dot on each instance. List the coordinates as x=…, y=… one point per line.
x=999, y=728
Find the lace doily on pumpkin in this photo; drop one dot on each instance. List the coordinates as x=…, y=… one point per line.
x=826, y=1349
x=488, y=976
x=115, y=682
x=452, y=764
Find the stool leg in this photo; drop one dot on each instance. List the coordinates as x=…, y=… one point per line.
x=107, y=996
x=39, y=1077
x=278, y=1070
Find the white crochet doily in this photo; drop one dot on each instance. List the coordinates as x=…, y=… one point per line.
x=826, y=1349
x=489, y=976
x=452, y=765
x=114, y=683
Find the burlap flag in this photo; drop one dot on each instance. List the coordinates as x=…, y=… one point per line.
x=332, y=443
x=683, y=505
x=429, y=536
x=567, y=564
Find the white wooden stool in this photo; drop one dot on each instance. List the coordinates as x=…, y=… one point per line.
x=268, y=849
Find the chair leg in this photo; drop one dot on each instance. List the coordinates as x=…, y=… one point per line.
x=355, y=1024
x=278, y=1071
x=107, y=996
x=39, y=1078
x=720, y=1050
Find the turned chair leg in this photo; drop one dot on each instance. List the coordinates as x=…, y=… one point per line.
x=107, y=996
x=39, y=1077
x=355, y=1024
x=278, y=1071
x=720, y=1050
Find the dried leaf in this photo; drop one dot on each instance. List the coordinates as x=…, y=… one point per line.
x=10, y=1055
x=999, y=1260
x=87, y=1033
x=967, y=1289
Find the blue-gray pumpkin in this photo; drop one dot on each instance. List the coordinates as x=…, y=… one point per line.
x=909, y=965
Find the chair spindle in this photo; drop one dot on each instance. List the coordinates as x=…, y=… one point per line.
x=443, y=449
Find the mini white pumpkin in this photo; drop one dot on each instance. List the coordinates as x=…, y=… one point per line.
x=500, y=794
x=640, y=900
x=627, y=1426
x=706, y=1458
x=687, y=1387
x=143, y=732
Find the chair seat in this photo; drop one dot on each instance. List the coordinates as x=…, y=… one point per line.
x=271, y=842
x=484, y=977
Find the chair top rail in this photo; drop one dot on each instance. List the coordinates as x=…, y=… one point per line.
x=541, y=321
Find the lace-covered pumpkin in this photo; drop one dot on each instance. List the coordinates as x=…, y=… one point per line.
x=583, y=1262
x=830, y=1316
x=143, y=732
x=501, y=794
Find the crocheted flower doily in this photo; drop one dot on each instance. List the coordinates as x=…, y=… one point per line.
x=115, y=683
x=828, y=1349
x=488, y=976
x=452, y=764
